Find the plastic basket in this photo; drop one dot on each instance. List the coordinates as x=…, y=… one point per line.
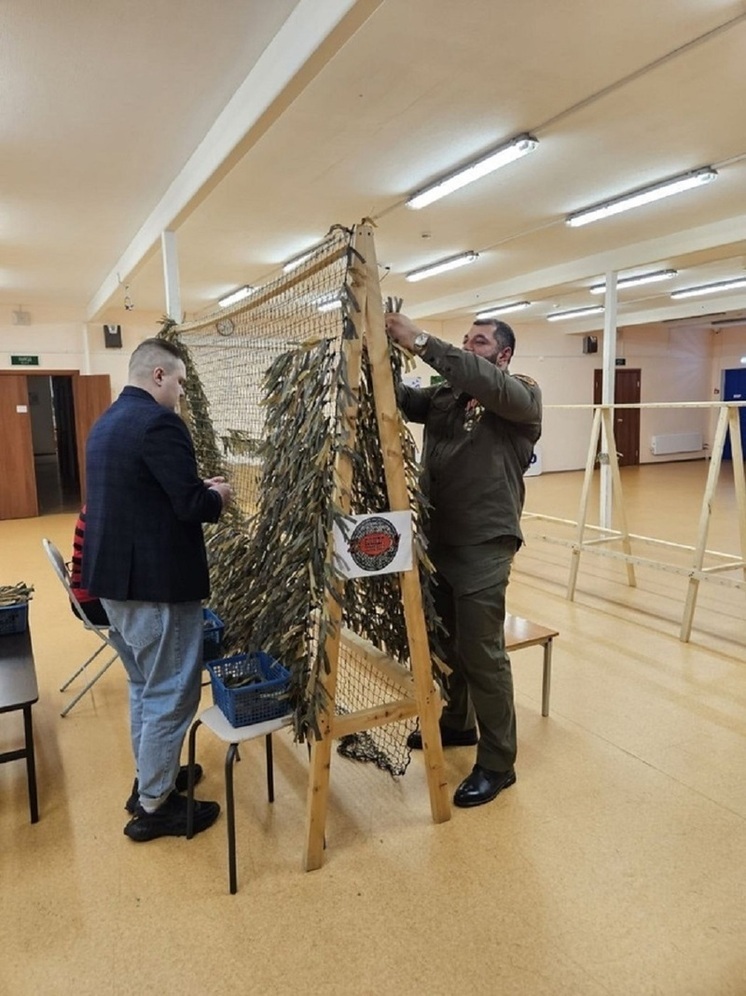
x=266, y=699
x=212, y=642
x=13, y=619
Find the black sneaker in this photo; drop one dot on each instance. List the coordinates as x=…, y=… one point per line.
x=170, y=819
x=182, y=783
x=448, y=737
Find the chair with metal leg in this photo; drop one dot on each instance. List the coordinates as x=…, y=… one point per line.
x=216, y=722
x=60, y=569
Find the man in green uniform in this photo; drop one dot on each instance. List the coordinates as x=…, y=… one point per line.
x=480, y=430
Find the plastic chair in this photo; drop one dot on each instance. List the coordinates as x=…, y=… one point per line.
x=60, y=569
x=216, y=722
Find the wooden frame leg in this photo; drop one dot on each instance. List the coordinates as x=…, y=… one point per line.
x=318, y=798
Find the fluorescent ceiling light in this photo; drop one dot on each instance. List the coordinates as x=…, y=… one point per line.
x=645, y=195
x=634, y=281
x=717, y=288
x=504, y=309
x=328, y=303
x=475, y=170
x=558, y=316
x=451, y=263
x=235, y=296
x=294, y=262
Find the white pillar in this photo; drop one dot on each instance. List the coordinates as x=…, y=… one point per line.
x=608, y=374
x=86, y=364
x=171, y=275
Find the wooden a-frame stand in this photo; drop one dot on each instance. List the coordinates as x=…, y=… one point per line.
x=728, y=421
x=419, y=695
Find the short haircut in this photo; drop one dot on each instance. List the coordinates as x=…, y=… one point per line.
x=152, y=353
x=501, y=331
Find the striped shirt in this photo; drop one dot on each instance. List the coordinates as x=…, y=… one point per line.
x=76, y=565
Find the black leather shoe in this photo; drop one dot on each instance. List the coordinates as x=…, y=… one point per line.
x=182, y=783
x=481, y=786
x=448, y=737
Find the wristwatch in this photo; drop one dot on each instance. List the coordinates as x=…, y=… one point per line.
x=420, y=341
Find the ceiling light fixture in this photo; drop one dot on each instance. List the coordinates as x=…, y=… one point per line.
x=558, y=316
x=717, y=288
x=328, y=303
x=634, y=281
x=295, y=261
x=475, y=170
x=504, y=309
x=645, y=195
x=235, y=296
x=450, y=263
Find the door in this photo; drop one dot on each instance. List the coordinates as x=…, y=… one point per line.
x=626, y=420
x=92, y=396
x=734, y=389
x=17, y=480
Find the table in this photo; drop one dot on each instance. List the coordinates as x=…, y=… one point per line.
x=19, y=690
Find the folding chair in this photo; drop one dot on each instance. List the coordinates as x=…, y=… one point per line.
x=60, y=569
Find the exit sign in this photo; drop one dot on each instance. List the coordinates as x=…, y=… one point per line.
x=24, y=361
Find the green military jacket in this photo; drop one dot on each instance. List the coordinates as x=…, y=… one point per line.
x=480, y=430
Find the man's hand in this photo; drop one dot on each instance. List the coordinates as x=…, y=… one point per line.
x=401, y=329
x=209, y=481
x=224, y=489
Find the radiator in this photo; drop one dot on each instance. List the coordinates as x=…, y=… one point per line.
x=676, y=442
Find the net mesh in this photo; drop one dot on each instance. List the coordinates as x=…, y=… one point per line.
x=268, y=395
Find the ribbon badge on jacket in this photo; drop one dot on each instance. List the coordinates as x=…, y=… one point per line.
x=472, y=414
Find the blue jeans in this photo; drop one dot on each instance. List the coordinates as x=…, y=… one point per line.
x=160, y=644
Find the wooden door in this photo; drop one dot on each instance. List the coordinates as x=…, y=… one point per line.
x=92, y=396
x=17, y=479
x=626, y=420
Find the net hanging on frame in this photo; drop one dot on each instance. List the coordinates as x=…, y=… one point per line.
x=267, y=390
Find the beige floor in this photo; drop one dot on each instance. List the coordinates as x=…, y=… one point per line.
x=616, y=865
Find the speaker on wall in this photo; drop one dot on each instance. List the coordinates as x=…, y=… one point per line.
x=590, y=344
x=113, y=336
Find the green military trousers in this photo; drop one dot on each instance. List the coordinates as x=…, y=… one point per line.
x=469, y=593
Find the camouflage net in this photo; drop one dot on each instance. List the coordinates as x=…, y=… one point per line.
x=267, y=389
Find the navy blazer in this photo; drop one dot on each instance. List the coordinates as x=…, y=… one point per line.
x=145, y=506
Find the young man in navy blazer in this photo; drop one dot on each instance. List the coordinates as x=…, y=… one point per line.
x=145, y=558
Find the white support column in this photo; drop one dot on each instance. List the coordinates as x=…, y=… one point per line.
x=607, y=395
x=171, y=275
x=86, y=364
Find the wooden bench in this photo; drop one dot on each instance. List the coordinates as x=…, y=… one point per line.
x=520, y=633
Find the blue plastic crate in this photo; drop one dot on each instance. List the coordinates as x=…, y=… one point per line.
x=13, y=619
x=212, y=642
x=267, y=698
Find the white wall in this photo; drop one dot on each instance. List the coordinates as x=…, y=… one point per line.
x=683, y=364
x=675, y=366
x=71, y=345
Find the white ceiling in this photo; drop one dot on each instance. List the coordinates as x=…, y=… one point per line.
x=250, y=126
